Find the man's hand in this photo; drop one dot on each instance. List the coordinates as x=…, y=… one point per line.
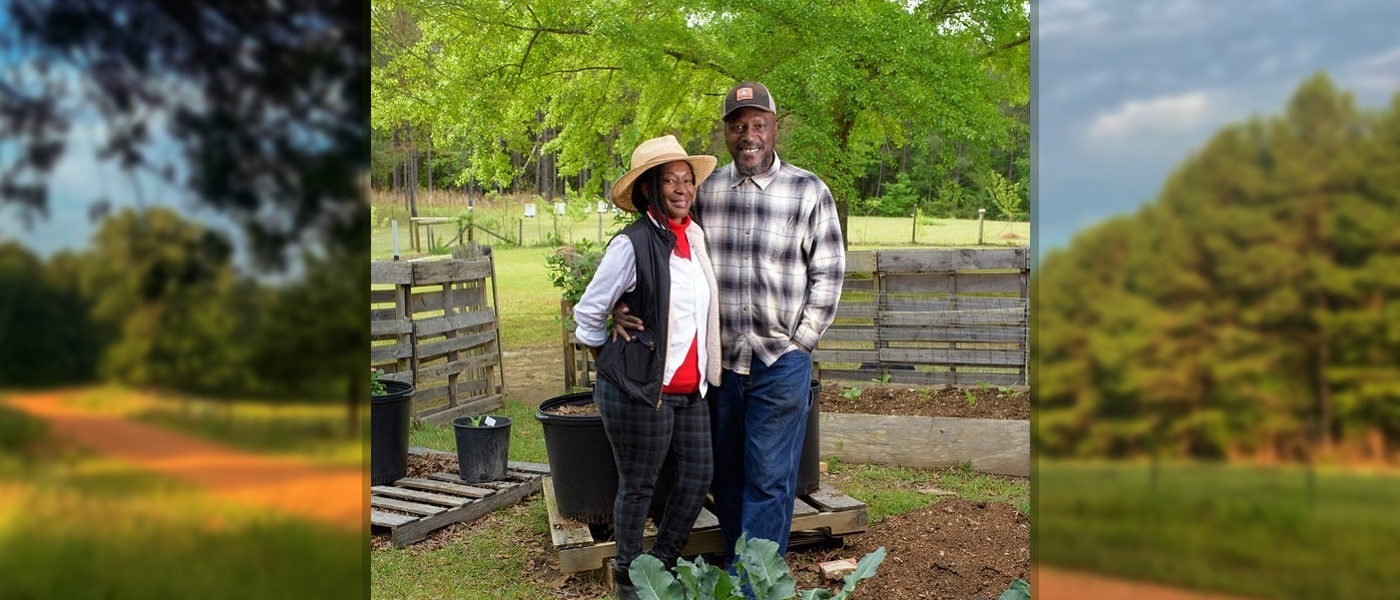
x=622, y=321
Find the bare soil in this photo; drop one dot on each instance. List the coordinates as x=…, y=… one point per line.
x=574, y=409
x=955, y=549
x=946, y=401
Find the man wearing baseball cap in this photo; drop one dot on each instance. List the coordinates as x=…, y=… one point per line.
x=775, y=243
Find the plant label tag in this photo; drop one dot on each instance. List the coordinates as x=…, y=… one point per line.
x=490, y=422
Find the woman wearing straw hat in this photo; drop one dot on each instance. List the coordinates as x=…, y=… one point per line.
x=651, y=384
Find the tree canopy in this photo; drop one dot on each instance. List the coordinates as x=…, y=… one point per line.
x=1251, y=309
x=588, y=80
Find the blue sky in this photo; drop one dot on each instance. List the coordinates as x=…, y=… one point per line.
x=1127, y=90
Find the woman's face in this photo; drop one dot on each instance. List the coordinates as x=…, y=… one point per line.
x=677, y=189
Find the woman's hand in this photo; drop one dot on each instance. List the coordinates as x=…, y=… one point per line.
x=622, y=321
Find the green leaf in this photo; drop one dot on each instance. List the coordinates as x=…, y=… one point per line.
x=817, y=594
x=653, y=581
x=865, y=569
x=690, y=573
x=767, y=572
x=1019, y=590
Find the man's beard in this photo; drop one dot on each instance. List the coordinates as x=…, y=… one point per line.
x=764, y=165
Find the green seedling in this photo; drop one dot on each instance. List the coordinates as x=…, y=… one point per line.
x=851, y=393
x=971, y=398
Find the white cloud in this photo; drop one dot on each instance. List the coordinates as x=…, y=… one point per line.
x=1378, y=72
x=1162, y=114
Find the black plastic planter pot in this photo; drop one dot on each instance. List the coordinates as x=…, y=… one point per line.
x=809, y=466
x=482, y=451
x=580, y=460
x=389, y=416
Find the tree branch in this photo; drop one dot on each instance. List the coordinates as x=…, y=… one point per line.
x=676, y=54
x=1007, y=46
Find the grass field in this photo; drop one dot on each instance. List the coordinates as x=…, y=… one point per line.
x=81, y=527
x=1232, y=529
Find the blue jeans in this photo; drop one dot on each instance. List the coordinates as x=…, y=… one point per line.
x=758, y=422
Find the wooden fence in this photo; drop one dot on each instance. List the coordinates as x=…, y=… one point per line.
x=431, y=325
x=957, y=316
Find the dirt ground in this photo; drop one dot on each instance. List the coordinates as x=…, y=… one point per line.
x=534, y=374
x=942, y=401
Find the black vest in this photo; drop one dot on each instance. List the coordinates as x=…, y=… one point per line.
x=637, y=367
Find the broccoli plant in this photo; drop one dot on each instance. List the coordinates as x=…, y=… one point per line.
x=758, y=566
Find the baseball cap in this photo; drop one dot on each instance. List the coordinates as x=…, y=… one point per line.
x=748, y=93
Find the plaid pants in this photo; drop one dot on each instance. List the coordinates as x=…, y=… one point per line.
x=644, y=438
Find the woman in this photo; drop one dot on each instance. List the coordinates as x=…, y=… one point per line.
x=651, y=385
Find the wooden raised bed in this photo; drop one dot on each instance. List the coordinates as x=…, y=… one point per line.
x=998, y=446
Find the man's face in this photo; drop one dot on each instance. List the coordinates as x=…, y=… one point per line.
x=750, y=134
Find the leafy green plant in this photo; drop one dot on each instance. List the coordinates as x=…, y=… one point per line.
x=882, y=379
x=971, y=398
x=375, y=387
x=1019, y=590
x=984, y=385
x=851, y=393
x=758, y=566
x=926, y=394
x=571, y=269
x=476, y=420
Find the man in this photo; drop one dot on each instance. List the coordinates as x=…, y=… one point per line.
x=775, y=242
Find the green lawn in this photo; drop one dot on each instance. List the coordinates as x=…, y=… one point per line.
x=1239, y=530
x=82, y=527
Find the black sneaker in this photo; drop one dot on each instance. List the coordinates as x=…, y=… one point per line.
x=623, y=588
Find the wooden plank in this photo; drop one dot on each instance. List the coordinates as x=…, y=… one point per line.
x=855, y=310
x=962, y=376
x=528, y=467
x=861, y=261
x=383, y=519
x=990, y=445
x=563, y=533
x=443, y=271
x=466, y=513
x=705, y=520
x=423, y=497
x=435, y=326
x=857, y=285
x=1005, y=317
x=1007, y=335
x=944, y=356
x=802, y=509
x=850, y=333
x=379, y=354
x=467, y=390
x=391, y=326
x=459, y=488
x=587, y=558
x=395, y=272
x=446, y=413
x=441, y=371
x=388, y=296
x=963, y=283
x=431, y=350
x=822, y=355
x=829, y=499
x=408, y=507
x=953, y=259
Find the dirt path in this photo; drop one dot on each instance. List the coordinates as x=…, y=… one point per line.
x=1057, y=584
x=329, y=495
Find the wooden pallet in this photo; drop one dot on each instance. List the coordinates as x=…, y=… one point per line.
x=441, y=499
x=823, y=514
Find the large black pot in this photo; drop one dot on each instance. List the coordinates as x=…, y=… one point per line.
x=580, y=460
x=482, y=451
x=809, y=466
x=389, y=416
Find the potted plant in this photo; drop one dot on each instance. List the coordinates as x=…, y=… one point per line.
x=390, y=409
x=483, y=447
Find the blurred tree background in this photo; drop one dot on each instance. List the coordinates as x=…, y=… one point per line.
x=255, y=113
x=896, y=105
x=1252, y=311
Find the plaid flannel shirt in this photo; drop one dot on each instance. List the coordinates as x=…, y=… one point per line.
x=775, y=242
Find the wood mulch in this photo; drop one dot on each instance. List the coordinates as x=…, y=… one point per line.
x=574, y=409
x=943, y=401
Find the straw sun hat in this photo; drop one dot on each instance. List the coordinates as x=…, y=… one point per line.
x=658, y=151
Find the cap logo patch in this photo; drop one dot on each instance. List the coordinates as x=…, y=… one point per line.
x=743, y=93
